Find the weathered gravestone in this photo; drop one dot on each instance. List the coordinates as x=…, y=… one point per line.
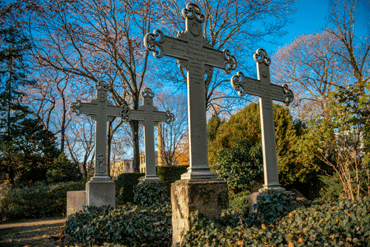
x=100, y=190
x=198, y=189
x=266, y=92
x=148, y=116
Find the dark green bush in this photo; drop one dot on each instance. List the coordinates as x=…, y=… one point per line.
x=169, y=174
x=272, y=206
x=151, y=194
x=36, y=201
x=62, y=169
x=125, y=187
x=240, y=166
x=239, y=202
x=344, y=223
x=129, y=225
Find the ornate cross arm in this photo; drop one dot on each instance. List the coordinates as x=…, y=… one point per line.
x=75, y=107
x=146, y=111
x=261, y=87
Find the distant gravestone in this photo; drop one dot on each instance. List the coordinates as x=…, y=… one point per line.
x=198, y=188
x=148, y=116
x=100, y=190
x=194, y=55
x=266, y=92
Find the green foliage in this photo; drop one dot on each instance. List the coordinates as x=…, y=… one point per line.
x=62, y=170
x=36, y=201
x=241, y=166
x=271, y=206
x=13, y=75
x=212, y=127
x=129, y=225
x=292, y=162
x=169, y=174
x=332, y=188
x=239, y=202
x=344, y=223
x=150, y=194
x=125, y=184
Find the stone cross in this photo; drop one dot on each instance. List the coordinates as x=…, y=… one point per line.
x=196, y=56
x=148, y=116
x=100, y=110
x=266, y=92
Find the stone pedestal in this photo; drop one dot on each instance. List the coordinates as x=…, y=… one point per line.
x=76, y=201
x=100, y=191
x=254, y=197
x=207, y=196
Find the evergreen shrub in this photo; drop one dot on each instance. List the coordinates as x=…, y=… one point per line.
x=240, y=166
x=151, y=194
x=37, y=201
x=272, y=206
x=125, y=184
x=169, y=174
x=239, y=202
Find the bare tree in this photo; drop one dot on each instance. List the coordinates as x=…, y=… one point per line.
x=173, y=133
x=96, y=40
x=312, y=70
x=229, y=24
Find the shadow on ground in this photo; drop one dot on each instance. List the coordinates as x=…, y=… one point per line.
x=34, y=235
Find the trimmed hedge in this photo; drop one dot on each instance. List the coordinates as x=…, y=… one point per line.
x=169, y=174
x=125, y=184
x=36, y=201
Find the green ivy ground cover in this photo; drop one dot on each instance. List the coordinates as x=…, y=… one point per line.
x=280, y=221
x=346, y=223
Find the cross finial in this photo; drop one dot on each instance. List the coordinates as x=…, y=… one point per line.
x=261, y=57
x=193, y=11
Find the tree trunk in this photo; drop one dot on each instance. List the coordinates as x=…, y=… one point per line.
x=134, y=124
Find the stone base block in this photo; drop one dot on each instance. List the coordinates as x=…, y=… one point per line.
x=76, y=201
x=101, y=191
x=254, y=197
x=207, y=196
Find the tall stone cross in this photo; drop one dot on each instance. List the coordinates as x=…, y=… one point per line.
x=194, y=55
x=148, y=116
x=100, y=110
x=266, y=92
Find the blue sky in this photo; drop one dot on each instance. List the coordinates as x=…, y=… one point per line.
x=310, y=17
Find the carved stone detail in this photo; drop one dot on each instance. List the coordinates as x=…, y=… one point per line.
x=289, y=96
x=75, y=107
x=261, y=57
x=100, y=164
x=170, y=117
x=237, y=84
x=192, y=11
x=152, y=44
x=230, y=63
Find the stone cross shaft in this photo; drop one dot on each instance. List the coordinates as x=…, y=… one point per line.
x=148, y=116
x=100, y=110
x=266, y=92
x=194, y=55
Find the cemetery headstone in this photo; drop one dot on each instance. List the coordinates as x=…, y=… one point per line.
x=193, y=54
x=100, y=190
x=266, y=92
x=148, y=116
x=198, y=188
